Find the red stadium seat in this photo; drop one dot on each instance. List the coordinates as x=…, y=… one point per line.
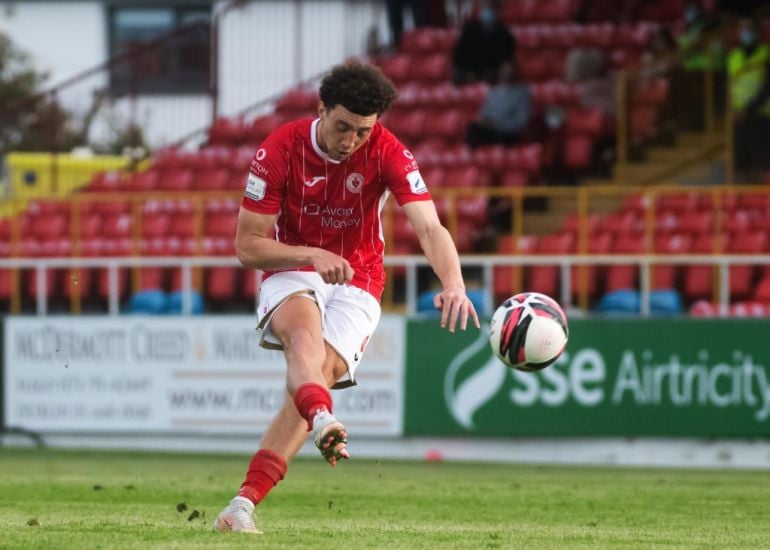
x=430, y=68
x=298, y=100
x=599, y=243
x=117, y=226
x=665, y=276
x=742, y=276
x=621, y=277
x=49, y=226
x=155, y=226
x=447, y=125
x=227, y=131
x=112, y=180
x=409, y=125
x=259, y=128
x=181, y=226
x=468, y=176
x=215, y=179
x=396, y=67
x=505, y=277
x=175, y=180
x=221, y=225
x=221, y=283
x=144, y=181
x=545, y=278
x=523, y=11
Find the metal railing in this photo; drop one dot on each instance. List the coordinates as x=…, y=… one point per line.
x=411, y=263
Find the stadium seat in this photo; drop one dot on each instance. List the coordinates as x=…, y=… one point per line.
x=78, y=281
x=396, y=67
x=297, y=100
x=51, y=226
x=227, y=131
x=181, y=225
x=221, y=225
x=261, y=127
x=620, y=277
x=221, y=283
x=468, y=176
x=598, y=243
x=698, y=280
x=144, y=181
x=447, y=125
x=90, y=225
x=506, y=277
x=742, y=276
x=523, y=11
x=213, y=179
x=117, y=226
x=622, y=301
x=108, y=181
x=409, y=125
x=665, y=276
x=430, y=68
x=251, y=280
x=545, y=278
x=154, y=226
x=175, y=180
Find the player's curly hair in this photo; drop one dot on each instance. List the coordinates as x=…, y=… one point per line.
x=362, y=89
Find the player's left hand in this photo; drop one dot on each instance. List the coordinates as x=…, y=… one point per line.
x=455, y=304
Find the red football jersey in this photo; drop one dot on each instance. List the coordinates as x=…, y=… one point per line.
x=335, y=205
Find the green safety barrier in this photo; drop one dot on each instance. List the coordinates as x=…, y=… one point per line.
x=688, y=377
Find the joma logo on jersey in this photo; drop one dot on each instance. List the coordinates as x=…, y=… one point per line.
x=314, y=181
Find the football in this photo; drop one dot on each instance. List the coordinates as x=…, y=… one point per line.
x=528, y=331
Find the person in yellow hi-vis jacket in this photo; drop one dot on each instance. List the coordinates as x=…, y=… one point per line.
x=747, y=67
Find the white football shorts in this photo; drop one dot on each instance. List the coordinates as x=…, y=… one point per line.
x=349, y=314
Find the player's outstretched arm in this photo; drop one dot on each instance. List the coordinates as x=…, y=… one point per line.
x=440, y=250
x=257, y=249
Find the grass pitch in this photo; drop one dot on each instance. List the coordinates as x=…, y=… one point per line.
x=69, y=499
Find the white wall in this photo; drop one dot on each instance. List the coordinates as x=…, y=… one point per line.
x=266, y=47
x=62, y=38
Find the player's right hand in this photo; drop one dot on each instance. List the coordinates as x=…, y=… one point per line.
x=332, y=268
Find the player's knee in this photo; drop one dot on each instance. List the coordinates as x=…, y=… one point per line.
x=302, y=342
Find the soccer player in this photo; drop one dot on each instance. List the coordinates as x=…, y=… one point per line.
x=320, y=185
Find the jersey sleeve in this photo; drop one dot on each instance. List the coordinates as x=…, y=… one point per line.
x=402, y=173
x=267, y=176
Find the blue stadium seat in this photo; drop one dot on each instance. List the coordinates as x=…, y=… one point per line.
x=152, y=302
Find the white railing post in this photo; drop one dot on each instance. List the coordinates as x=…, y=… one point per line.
x=644, y=288
x=40, y=280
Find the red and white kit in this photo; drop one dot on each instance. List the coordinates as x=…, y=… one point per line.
x=335, y=205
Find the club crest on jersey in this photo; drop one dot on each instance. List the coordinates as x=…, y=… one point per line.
x=255, y=187
x=354, y=182
x=416, y=182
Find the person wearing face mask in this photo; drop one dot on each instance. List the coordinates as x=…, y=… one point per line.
x=484, y=44
x=747, y=68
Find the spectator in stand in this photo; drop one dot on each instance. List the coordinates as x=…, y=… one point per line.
x=484, y=44
x=699, y=45
x=505, y=113
x=660, y=59
x=748, y=65
x=700, y=50
x=589, y=68
x=583, y=64
x=395, y=9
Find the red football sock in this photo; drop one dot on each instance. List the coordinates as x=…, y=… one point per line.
x=311, y=398
x=266, y=469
